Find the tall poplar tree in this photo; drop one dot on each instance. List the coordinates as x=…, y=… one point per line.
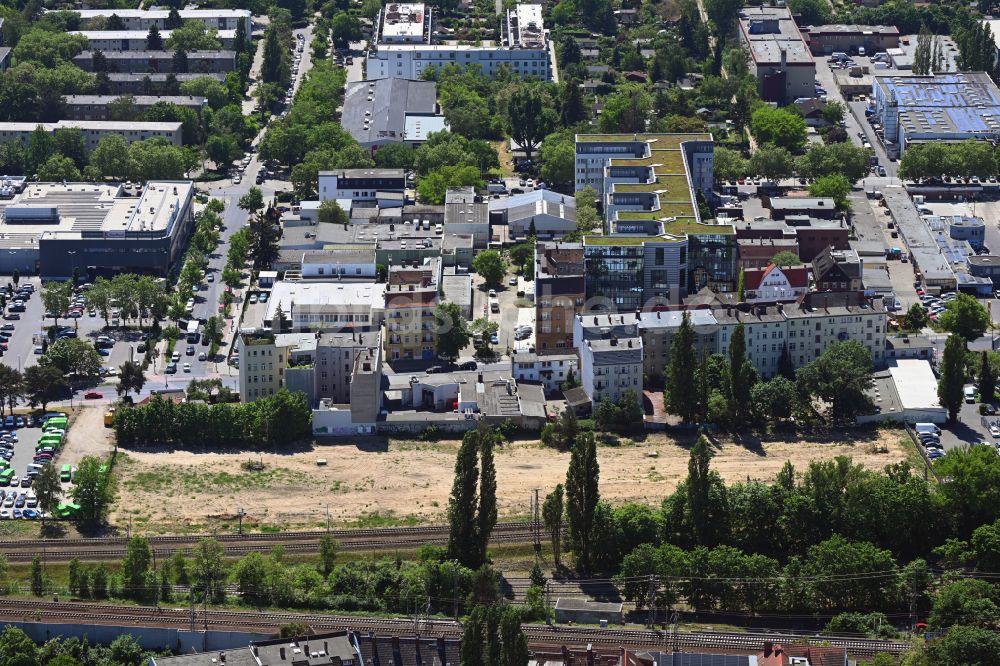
x=472, y=507
x=951, y=381
x=741, y=376
x=582, y=496
x=680, y=397
x=987, y=379
x=552, y=514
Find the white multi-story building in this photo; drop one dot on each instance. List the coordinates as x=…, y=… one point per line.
x=384, y=186
x=610, y=367
x=95, y=130
x=405, y=45
x=779, y=55
x=549, y=370
x=327, y=306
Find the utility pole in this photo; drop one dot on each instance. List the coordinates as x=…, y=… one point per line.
x=240, y=512
x=651, y=597
x=454, y=590
x=536, y=528
x=328, y=518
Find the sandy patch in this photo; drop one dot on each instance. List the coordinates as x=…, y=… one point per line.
x=87, y=435
x=410, y=481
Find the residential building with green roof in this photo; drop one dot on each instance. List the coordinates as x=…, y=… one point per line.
x=655, y=249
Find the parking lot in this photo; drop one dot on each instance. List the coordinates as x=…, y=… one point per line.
x=22, y=449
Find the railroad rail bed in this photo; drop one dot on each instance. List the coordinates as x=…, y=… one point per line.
x=538, y=635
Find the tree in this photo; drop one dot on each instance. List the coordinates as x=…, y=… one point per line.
x=452, y=330
x=774, y=399
x=222, y=149
x=180, y=61
x=344, y=29
x=627, y=110
x=328, y=548
x=43, y=384
x=55, y=298
x=987, y=379
x=843, y=158
x=110, y=156
x=48, y=489
x=786, y=258
x=37, y=578
x=680, y=397
x=742, y=376
x=136, y=568
x=780, y=127
x=472, y=504
x=729, y=164
x=772, y=162
x=153, y=40
x=193, y=36
x=915, y=318
x=951, y=381
x=395, y=156
x=130, y=378
x=11, y=387
x=330, y=212
x=94, y=490
x=923, y=55
x=433, y=187
x=582, y=496
x=552, y=514
x=530, y=116
x=841, y=377
x=58, y=168
x=702, y=489
x=558, y=160
x=835, y=187
x=275, y=65
x=208, y=575
x=491, y=266
x=72, y=356
x=513, y=643
x=965, y=316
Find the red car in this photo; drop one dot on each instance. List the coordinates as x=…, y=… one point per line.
x=93, y=395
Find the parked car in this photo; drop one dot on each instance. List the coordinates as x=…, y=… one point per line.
x=93, y=395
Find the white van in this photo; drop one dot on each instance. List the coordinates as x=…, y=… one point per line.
x=970, y=393
x=928, y=428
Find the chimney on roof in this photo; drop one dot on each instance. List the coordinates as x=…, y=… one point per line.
x=630, y=343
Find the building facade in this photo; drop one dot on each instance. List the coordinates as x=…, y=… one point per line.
x=144, y=19
x=360, y=184
x=140, y=62
x=560, y=291
x=610, y=367
x=779, y=55
x=95, y=130
x=405, y=45
x=411, y=298
x=549, y=370
x=95, y=107
x=265, y=358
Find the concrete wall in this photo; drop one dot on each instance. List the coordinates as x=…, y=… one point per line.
x=150, y=638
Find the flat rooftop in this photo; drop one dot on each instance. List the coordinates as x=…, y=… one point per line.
x=525, y=29
x=161, y=55
x=915, y=383
x=940, y=91
x=852, y=29
x=403, y=20
x=94, y=35
x=773, y=37
x=317, y=295
x=88, y=207
x=93, y=125
x=139, y=100
x=87, y=14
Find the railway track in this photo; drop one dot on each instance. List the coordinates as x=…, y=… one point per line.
x=540, y=635
x=235, y=545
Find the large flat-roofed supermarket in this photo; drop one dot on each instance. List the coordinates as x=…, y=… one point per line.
x=52, y=228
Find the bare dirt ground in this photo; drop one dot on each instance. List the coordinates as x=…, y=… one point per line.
x=87, y=436
x=374, y=483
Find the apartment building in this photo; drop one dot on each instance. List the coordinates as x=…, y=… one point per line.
x=335, y=365
x=805, y=328
x=411, y=297
x=95, y=107
x=779, y=55
x=142, y=61
x=144, y=19
x=549, y=370
x=344, y=262
x=265, y=358
x=151, y=84
x=775, y=283
x=407, y=42
x=136, y=40
x=610, y=367
x=95, y=130
x=838, y=270
x=560, y=291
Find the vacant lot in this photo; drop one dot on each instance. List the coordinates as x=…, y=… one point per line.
x=372, y=482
